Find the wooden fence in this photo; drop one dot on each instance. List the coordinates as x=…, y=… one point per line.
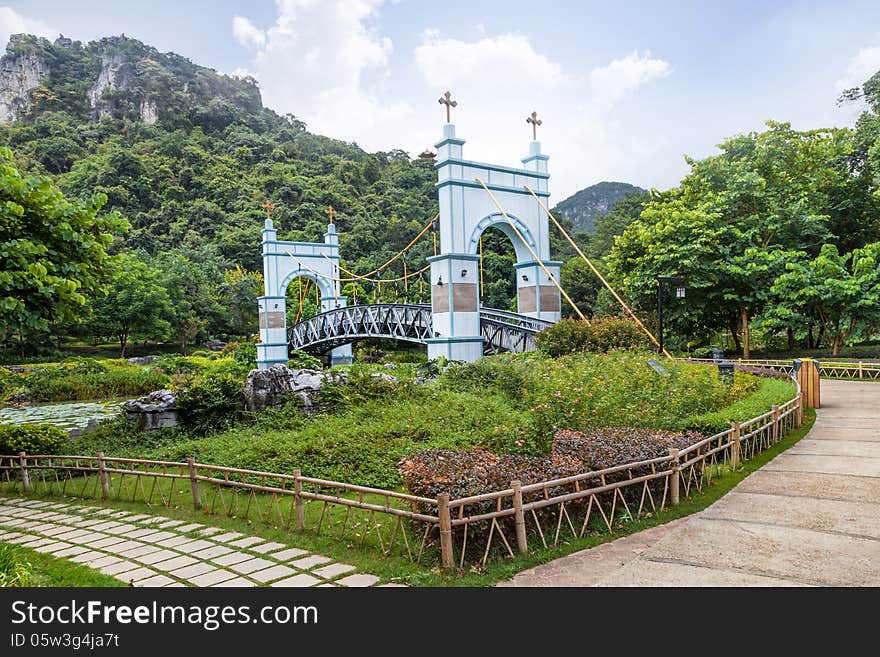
x=827, y=369
x=467, y=530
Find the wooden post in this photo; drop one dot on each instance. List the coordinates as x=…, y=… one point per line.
x=102, y=471
x=808, y=378
x=445, y=530
x=776, y=431
x=25, y=477
x=674, y=477
x=297, y=499
x=861, y=371
x=194, y=483
x=519, y=517
x=735, y=445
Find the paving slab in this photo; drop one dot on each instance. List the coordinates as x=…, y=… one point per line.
x=256, y=563
x=310, y=561
x=211, y=552
x=659, y=573
x=825, y=447
x=188, y=572
x=266, y=547
x=245, y=542
x=289, y=553
x=300, y=581
x=212, y=577
x=812, y=484
x=358, y=580
x=156, y=581
x=225, y=538
x=239, y=582
x=269, y=574
x=178, y=561
x=333, y=570
x=231, y=558
x=845, y=465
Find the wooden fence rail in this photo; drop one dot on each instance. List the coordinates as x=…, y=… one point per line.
x=829, y=369
x=464, y=531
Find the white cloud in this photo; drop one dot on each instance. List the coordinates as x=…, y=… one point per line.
x=323, y=62
x=860, y=67
x=12, y=22
x=247, y=34
x=622, y=77
x=499, y=60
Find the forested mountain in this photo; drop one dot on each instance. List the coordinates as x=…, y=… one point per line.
x=187, y=154
x=587, y=205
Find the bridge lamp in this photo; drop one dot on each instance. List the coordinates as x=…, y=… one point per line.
x=464, y=273
x=440, y=281
x=525, y=278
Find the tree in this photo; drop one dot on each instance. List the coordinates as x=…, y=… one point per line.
x=136, y=304
x=842, y=292
x=53, y=251
x=736, y=220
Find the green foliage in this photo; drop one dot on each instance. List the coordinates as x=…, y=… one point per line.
x=244, y=352
x=212, y=401
x=841, y=292
x=31, y=438
x=595, y=336
x=53, y=252
x=299, y=360
x=80, y=380
x=770, y=391
x=504, y=374
x=15, y=571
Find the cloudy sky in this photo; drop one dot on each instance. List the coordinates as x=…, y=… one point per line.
x=625, y=89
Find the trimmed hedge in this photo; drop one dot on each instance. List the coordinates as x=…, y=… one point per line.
x=31, y=438
x=606, y=447
x=770, y=391
x=596, y=335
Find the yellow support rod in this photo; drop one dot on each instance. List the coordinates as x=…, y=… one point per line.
x=626, y=308
x=534, y=255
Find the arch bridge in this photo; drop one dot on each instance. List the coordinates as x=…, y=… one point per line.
x=501, y=331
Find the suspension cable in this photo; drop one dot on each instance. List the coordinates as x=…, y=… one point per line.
x=626, y=308
x=534, y=255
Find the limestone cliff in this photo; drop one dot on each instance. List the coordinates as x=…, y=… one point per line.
x=20, y=74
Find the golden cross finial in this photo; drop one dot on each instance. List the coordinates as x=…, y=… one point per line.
x=330, y=212
x=535, y=121
x=268, y=207
x=446, y=99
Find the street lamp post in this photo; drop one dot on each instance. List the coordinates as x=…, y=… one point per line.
x=678, y=281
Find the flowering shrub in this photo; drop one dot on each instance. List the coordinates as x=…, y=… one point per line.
x=597, y=335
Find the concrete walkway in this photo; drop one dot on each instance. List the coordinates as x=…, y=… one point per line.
x=146, y=550
x=810, y=517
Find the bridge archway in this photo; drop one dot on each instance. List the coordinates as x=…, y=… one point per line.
x=284, y=261
x=465, y=212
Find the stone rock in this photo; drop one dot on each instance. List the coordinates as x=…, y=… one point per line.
x=278, y=384
x=112, y=75
x=214, y=345
x=18, y=76
x=384, y=377
x=143, y=360
x=154, y=411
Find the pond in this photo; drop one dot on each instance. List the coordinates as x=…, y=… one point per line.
x=70, y=416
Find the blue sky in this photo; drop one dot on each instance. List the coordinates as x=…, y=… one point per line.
x=625, y=88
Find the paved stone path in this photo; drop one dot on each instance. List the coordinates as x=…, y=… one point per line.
x=810, y=517
x=146, y=550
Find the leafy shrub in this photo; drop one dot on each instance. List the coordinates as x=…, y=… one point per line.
x=597, y=336
x=175, y=364
x=300, y=360
x=244, y=352
x=504, y=374
x=211, y=402
x=463, y=473
x=605, y=447
x=14, y=570
x=80, y=379
x=31, y=438
x=770, y=391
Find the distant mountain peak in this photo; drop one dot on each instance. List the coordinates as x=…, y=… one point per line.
x=586, y=206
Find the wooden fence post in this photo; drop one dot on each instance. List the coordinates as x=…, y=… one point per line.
x=735, y=446
x=674, y=477
x=519, y=517
x=102, y=471
x=776, y=431
x=298, y=500
x=861, y=371
x=25, y=477
x=194, y=483
x=445, y=530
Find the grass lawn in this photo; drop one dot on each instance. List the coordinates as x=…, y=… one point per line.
x=397, y=568
x=47, y=570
